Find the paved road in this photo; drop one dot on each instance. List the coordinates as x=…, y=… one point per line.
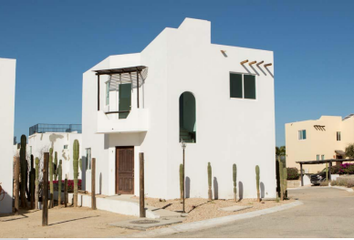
x=326, y=212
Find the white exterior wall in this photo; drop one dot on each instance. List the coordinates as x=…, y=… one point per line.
x=42, y=142
x=228, y=130
x=7, y=109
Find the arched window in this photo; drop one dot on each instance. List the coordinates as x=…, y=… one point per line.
x=187, y=118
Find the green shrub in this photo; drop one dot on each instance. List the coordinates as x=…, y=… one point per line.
x=293, y=173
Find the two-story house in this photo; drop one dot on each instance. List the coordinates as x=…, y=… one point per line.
x=7, y=109
x=218, y=99
x=320, y=139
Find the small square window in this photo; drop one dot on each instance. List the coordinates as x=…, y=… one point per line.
x=317, y=157
x=65, y=146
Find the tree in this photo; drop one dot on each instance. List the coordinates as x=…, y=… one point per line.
x=280, y=151
x=349, y=151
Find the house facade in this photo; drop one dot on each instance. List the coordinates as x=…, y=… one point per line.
x=60, y=137
x=7, y=109
x=218, y=99
x=324, y=138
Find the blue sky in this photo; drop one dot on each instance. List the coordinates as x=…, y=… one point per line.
x=54, y=42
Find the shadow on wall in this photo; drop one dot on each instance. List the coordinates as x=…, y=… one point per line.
x=5, y=202
x=262, y=188
x=188, y=187
x=83, y=172
x=240, y=190
x=216, y=188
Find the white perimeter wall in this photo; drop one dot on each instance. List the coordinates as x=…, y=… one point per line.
x=7, y=106
x=42, y=142
x=228, y=130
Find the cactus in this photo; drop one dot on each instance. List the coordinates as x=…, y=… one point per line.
x=285, y=182
x=23, y=163
x=59, y=181
x=210, y=194
x=181, y=182
x=36, y=184
x=281, y=179
x=55, y=167
x=51, y=173
x=32, y=177
x=76, y=170
x=257, y=184
x=234, y=177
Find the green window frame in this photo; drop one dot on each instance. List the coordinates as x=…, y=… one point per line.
x=242, y=86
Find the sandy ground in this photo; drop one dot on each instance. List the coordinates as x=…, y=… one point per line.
x=63, y=222
x=200, y=209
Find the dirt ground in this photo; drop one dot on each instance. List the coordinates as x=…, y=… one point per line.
x=63, y=222
x=200, y=209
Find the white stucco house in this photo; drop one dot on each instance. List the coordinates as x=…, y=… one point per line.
x=219, y=99
x=60, y=137
x=7, y=109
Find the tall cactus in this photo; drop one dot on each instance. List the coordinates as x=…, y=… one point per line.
x=181, y=182
x=281, y=179
x=210, y=194
x=285, y=182
x=55, y=167
x=234, y=178
x=23, y=163
x=59, y=181
x=257, y=183
x=31, y=184
x=51, y=173
x=76, y=170
x=36, y=184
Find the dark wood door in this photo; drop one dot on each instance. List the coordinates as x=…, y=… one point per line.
x=125, y=170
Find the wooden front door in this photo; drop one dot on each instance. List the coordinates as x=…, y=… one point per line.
x=124, y=170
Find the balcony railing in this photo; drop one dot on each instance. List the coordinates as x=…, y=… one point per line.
x=43, y=127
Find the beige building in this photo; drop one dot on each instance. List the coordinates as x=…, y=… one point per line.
x=324, y=138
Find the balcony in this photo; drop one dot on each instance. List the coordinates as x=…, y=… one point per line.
x=122, y=113
x=136, y=121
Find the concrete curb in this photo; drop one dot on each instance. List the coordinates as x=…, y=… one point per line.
x=214, y=222
x=336, y=187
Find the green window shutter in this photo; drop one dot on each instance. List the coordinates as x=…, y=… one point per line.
x=250, y=86
x=124, y=99
x=235, y=85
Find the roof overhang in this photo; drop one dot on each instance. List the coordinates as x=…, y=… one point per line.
x=119, y=70
x=340, y=152
x=325, y=161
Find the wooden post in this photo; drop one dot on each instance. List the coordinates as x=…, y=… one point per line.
x=93, y=184
x=183, y=175
x=302, y=175
x=45, y=190
x=66, y=190
x=141, y=194
x=17, y=184
x=98, y=92
x=137, y=87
